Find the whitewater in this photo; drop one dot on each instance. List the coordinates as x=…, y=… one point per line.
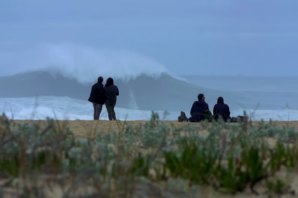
x=84, y=64
x=65, y=108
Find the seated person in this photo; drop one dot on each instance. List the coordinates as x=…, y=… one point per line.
x=221, y=110
x=182, y=117
x=200, y=110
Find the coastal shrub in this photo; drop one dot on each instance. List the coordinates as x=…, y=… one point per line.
x=140, y=166
x=253, y=165
x=277, y=187
x=231, y=177
x=230, y=157
x=193, y=163
x=10, y=166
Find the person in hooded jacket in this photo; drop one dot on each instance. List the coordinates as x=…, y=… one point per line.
x=200, y=110
x=112, y=92
x=221, y=110
x=97, y=97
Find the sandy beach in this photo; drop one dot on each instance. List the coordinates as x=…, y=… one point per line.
x=83, y=127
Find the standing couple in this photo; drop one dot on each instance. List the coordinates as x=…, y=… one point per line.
x=101, y=95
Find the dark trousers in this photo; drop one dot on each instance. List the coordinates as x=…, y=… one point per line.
x=197, y=117
x=111, y=112
x=97, y=110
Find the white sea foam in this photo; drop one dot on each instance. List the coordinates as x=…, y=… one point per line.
x=71, y=109
x=85, y=63
x=66, y=108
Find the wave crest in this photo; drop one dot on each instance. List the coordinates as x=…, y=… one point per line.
x=85, y=64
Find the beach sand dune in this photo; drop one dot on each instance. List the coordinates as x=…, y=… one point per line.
x=84, y=128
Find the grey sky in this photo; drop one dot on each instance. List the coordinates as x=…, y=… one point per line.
x=210, y=37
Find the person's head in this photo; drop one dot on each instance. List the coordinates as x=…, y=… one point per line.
x=220, y=100
x=109, y=82
x=100, y=79
x=201, y=97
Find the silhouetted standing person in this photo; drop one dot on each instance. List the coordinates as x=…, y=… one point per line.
x=112, y=92
x=97, y=97
x=200, y=110
x=221, y=110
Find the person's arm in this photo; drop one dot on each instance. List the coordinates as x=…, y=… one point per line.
x=206, y=107
x=90, y=99
x=192, y=108
x=117, y=91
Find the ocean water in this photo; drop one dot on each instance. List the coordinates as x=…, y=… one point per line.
x=270, y=93
x=66, y=108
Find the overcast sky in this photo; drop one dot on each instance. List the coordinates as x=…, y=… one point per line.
x=207, y=37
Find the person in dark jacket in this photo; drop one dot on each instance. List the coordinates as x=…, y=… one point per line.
x=200, y=110
x=112, y=92
x=97, y=97
x=221, y=110
x=182, y=117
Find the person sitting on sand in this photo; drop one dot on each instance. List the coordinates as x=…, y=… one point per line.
x=200, y=110
x=221, y=110
x=182, y=117
x=112, y=92
x=97, y=97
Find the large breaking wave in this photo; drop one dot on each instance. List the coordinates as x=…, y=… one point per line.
x=85, y=63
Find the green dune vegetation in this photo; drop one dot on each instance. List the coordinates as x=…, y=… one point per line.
x=153, y=158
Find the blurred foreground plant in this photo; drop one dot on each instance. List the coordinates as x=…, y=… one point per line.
x=230, y=157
